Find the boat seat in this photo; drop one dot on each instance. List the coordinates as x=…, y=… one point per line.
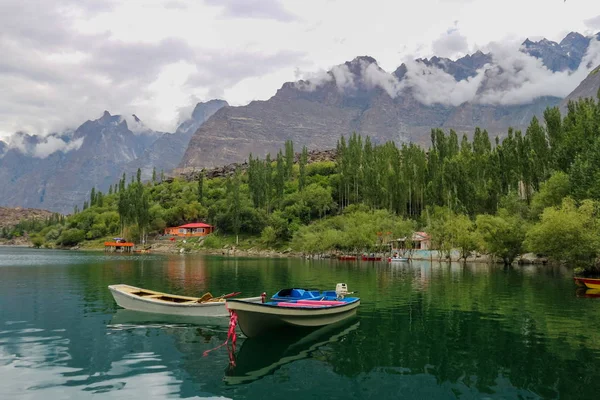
x=205, y=297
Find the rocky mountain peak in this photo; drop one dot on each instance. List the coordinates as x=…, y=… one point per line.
x=358, y=64
x=108, y=119
x=204, y=110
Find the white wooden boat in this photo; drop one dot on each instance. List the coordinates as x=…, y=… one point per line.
x=398, y=259
x=256, y=318
x=138, y=299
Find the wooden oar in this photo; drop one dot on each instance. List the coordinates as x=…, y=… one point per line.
x=225, y=296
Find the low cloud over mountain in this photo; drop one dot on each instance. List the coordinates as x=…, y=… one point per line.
x=504, y=76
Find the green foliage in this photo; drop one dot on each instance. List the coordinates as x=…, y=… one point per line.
x=268, y=236
x=213, y=241
x=353, y=231
x=502, y=235
x=551, y=193
x=568, y=233
x=71, y=237
x=37, y=241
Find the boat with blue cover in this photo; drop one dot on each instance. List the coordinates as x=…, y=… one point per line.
x=294, y=308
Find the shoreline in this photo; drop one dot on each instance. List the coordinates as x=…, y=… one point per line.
x=232, y=251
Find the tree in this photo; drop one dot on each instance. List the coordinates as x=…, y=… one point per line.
x=153, y=174
x=502, y=234
x=236, y=204
x=551, y=193
x=92, y=197
x=289, y=159
x=201, y=188
x=568, y=234
x=280, y=172
x=302, y=169
x=464, y=236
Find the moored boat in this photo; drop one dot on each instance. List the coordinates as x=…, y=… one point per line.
x=145, y=300
x=294, y=308
x=397, y=259
x=370, y=258
x=590, y=283
x=347, y=258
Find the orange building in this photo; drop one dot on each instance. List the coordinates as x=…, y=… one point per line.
x=190, y=230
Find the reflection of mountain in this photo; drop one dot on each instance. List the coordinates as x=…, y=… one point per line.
x=263, y=355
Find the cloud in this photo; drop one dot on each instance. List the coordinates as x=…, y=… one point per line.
x=593, y=23
x=513, y=77
x=267, y=9
x=52, y=144
x=450, y=44
x=39, y=147
x=54, y=76
x=310, y=81
x=431, y=85
x=223, y=69
x=376, y=77
x=517, y=78
x=343, y=77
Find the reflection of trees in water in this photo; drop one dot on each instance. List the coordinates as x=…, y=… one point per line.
x=467, y=348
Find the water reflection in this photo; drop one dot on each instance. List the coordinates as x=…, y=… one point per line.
x=263, y=355
x=126, y=319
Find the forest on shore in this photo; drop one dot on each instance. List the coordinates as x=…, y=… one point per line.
x=535, y=191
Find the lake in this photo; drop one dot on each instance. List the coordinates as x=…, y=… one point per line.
x=423, y=331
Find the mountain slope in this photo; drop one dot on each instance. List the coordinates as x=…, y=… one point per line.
x=589, y=87
x=166, y=152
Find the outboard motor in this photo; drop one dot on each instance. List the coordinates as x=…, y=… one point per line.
x=341, y=289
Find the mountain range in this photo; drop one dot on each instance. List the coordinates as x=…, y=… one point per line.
x=58, y=171
x=490, y=90
x=493, y=90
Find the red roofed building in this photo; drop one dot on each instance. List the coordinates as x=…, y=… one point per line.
x=421, y=240
x=190, y=230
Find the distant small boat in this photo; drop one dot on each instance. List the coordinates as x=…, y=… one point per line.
x=347, y=258
x=145, y=300
x=370, y=258
x=397, y=259
x=294, y=308
x=590, y=283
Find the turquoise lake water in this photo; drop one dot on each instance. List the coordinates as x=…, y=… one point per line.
x=423, y=331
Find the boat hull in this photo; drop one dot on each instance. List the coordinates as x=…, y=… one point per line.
x=256, y=319
x=191, y=309
x=590, y=283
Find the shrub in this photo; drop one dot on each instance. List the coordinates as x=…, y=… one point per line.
x=213, y=242
x=71, y=237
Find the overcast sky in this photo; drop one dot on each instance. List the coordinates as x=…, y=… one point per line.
x=65, y=61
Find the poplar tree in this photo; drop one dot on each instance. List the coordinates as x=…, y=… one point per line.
x=302, y=169
x=289, y=159
x=201, y=187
